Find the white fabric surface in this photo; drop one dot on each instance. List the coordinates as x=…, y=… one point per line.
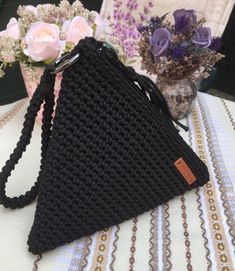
x=15, y=225
x=150, y=255
x=216, y=12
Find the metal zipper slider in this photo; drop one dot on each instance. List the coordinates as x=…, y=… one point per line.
x=64, y=62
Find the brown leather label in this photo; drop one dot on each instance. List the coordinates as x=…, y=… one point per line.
x=185, y=171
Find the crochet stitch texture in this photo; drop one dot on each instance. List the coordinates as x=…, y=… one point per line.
x=110, y=156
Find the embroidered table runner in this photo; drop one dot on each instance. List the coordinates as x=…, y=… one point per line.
x=195, y=231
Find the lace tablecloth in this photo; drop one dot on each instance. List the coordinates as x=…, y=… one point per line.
x=195, y=231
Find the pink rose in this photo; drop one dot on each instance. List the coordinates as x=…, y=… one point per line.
x=76, y=30
x=43, y=41
x=12, y=29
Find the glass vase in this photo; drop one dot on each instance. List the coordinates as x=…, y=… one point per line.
x=31, y=84
x=179, y=94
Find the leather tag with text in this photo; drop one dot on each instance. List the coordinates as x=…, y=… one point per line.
x=185, y=171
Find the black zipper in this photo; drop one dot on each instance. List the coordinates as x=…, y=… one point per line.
x=110, y=55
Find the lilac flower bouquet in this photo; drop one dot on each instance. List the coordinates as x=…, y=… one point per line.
x=178, y=50
x=180, y=54
x=124, y=21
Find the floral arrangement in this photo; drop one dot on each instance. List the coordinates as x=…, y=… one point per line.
x=43, y=33
x=178, y=50
x=124, y=22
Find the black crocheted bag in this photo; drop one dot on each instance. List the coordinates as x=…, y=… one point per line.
x=111, y=154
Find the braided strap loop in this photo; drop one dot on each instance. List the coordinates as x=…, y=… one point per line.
x=44, y=93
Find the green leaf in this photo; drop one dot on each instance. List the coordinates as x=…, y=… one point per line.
x=94, y=27
x=49, y=61
x=110, y=46
x=196, y=50
x=123, y=59
x=69, y=46
x=163, y=17
x=130, y=62
x=4, y=65
x=21, y=57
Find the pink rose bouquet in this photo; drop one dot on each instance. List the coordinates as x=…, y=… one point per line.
x=43, y=33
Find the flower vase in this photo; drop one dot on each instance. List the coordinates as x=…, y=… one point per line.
x=32, y=80
x=179, y=94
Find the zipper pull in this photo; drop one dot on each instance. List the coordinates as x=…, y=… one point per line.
x=157, y=98
x=111, y=53
x=64, y=62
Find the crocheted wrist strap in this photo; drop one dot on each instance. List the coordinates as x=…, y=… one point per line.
x=44, y=93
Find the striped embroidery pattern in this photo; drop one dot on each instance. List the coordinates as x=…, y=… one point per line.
x=133, y=245
x=166, y=245
x=228, y=113
x=5, y=118
x=85, y=254
x=153, y=237
x=81, y=250
x=101, y=250
x=76, y=258
x=226, y=200
x=186, y=234
x=219, y=241
x=157, y=241
x=199, y=207
x=114, y=247
x=204, y=233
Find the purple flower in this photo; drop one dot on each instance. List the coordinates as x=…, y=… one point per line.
x=150, y=4
x=155, y=20
x=178, y=52
x=216, y=44
x=202, y=37
x=125, y=24
x=146, y=10
x=184, y=19
x=142, y=28
x=160, y=42
x=132, y=4
x=143, y=17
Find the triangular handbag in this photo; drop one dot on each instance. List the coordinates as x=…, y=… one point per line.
x=111, y=152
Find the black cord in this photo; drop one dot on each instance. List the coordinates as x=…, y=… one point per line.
x=43, y=93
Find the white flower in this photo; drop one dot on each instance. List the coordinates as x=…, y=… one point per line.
x=2, y=73
x=12, y=29
x=32, y=9
x=102, y=25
